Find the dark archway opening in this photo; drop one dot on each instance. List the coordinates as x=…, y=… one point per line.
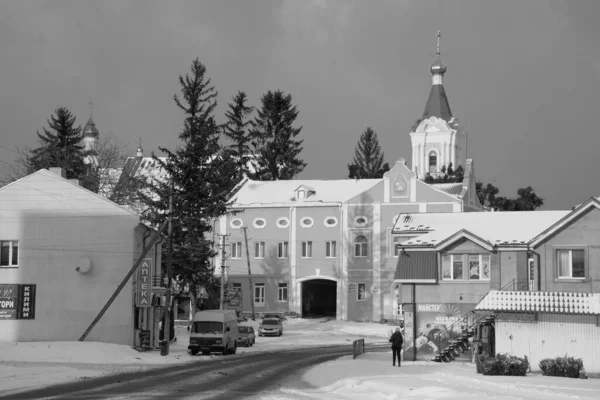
x=319, y=298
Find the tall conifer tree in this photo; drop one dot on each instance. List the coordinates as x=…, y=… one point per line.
x=368, y=158
x=201, y=179
x=275, y=138
x=237, y=129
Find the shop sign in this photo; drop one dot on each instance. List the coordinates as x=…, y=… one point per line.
x=17, y=301
x=144, y=284
x=352, y=287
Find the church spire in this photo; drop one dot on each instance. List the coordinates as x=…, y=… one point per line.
x=437, y=103
x=140, y=151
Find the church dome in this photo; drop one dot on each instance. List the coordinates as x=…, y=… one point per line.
x=90, y=129
x=438, y=67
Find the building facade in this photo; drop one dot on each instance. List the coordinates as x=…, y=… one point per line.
x=64, y=251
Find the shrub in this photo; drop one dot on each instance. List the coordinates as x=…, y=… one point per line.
x=505, y=364
x=569, y=367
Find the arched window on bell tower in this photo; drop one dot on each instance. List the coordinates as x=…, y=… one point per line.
x=432, y=162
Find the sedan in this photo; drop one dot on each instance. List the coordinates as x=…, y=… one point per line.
x=270, y=326
x=246, y=336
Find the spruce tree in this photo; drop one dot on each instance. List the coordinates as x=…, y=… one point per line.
x=275, y=138
x=199, y=178
x=61, y=146
x=368, y=158
x=237, y=129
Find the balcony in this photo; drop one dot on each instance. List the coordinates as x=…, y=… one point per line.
x=518, y=285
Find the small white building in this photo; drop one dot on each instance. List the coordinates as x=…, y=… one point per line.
x=546, y=325
x=64, y=252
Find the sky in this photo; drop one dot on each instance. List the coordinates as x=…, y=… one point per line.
x=523, y=76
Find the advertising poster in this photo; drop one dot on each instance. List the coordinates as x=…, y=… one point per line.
x=17, y=301
x=435, y=324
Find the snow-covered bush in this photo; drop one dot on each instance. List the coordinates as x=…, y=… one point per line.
x=569, y=367
x=505, y=364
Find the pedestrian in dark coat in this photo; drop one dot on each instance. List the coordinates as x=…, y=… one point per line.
x=396, y=340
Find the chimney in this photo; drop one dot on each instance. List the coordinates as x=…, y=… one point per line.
x=58, y=171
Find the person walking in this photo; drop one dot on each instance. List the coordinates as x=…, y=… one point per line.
x=396, y=340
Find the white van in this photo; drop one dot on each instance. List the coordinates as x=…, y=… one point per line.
x=214, y=331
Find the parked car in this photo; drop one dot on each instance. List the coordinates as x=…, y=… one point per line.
x=273, y=315
x=270, y=326
x=246, y=336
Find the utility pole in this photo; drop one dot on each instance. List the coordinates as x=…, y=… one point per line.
x=249, y=275
x=223, y=264
x=167, y=324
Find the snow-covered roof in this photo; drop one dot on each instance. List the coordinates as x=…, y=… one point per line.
x=450, y=188
x=492, y=228
x=550, y=302
x=283, y=192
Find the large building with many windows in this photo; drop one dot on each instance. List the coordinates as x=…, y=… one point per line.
x=326, y=247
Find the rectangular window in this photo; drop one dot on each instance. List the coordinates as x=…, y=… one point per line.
x=452, y=267
x=259, y=249
x=397, y=249
x=236, y=250
x=479, y=267
x=282, y=250
x=259, y=294
x=361, y=293
x=306, y=249
x=571, y=264
x=237, y=286
x=283, y=292
x=330, y=249
x=9, y=253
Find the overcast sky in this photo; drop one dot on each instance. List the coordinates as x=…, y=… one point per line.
x=523, y=76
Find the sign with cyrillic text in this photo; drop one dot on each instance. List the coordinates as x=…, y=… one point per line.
x=144, y=284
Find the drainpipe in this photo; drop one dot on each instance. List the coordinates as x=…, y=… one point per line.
x=414, y=305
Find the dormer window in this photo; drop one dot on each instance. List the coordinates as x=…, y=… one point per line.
x=303, y=192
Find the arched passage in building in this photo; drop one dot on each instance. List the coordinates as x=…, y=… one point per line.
x=319, y=298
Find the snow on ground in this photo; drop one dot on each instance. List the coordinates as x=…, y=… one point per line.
x=30, y=364
x=372, y=376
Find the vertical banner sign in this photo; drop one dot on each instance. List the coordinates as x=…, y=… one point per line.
x=26, y=302
x=144, y=284
x=8, y=301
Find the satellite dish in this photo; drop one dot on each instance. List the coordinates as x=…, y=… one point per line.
x=83, y=265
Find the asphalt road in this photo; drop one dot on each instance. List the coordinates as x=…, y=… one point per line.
x=240, y=376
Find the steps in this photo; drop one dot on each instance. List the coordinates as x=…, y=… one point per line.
x=454, y=345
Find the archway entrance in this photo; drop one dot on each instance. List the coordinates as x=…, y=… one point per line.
x=319, y=298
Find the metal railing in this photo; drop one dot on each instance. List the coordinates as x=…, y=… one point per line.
x=516, y=285
x=458, y=333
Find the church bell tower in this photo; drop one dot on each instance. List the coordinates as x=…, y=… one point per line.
x=437, y=137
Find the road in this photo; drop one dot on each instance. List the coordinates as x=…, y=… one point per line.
x=241, y=376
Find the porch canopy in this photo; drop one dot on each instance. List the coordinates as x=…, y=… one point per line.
x=416, y=267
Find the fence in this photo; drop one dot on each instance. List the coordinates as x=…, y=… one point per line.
x=358, y=348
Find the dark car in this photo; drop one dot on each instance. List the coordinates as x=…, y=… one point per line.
x=273, y=315
x=270, y=326
x=246, y=336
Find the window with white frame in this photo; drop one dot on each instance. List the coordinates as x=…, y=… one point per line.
x=479, y=267
x=361, y=246
x=259, y=249
x=259, y=223
x=330, y=222
x=307, y=222
x=9, y=253
x=301, y=194
x=360, y=220
x=259, y=294
x=282, y=292
x=330, y=249
x=236, y=223
x=237, y=286
x=283, y=222
x=571, y=263
x=361, y=293
x=282, y=250
x=236, y=250
x=452, y=267
x=307, y=249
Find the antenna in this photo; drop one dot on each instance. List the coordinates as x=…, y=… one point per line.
x=91, y=104
x=439, y=36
